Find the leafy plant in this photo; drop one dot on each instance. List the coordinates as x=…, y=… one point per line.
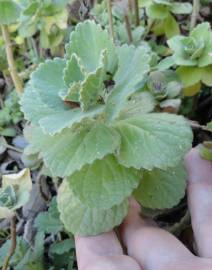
x=165, y=86
x=162, y=10
x=10, y=115
x=84, y=128
x=48, y=17
x=193, y=56
x=49, y=221
x=14, y=192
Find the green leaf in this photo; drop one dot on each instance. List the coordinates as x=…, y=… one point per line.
x=93, y=40
x=19, y=183
x=176, y=44
x=166, y=63
x=93, y=85
x=47, y=79
x=73, y=71
x=34, y=257
x=206, y=77
x=181, y=8
x=32, y=105
x=58, y=121
x=189, y=75
x=192, y=90
x=104, y=181
x=49, y=221
x=79, y=219
x=157, y=11
x=20, y=251
x=171, y=27
x=153, y=140
x=9, y=12
x=70, y=150
x=209, y=126
x=61, y=247
x=206, y=57
x=139, y=103
x=133, y=66
x=161, y=189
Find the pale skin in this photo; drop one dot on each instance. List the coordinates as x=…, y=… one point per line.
x=149, y=247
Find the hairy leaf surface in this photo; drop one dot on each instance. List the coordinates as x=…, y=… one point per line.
x=79, y=219
x=161, y=189
x=104, y=181
x=153, y=140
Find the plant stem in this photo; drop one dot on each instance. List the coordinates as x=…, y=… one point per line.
x=110, y=15
x=128, y=28
x=13, y=243
x=137, y=19
x=11, y=63
x=195, y=13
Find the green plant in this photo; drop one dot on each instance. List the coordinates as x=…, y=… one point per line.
x=10, y=115
x=90, y=126
x=166, y=88
x=162, y=10
x=14, y=193
x=48, y=17
x=193, y=56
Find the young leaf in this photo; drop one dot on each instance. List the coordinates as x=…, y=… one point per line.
x=161, y=189
x=104, y=181
x=153, y=140
x=90, y=52
x=133, y=66
x=79, y=219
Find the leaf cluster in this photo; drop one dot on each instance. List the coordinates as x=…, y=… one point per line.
x=90, y=125
x=48, y=17
x=193, y=55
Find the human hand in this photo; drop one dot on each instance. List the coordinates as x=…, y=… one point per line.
x=149, y=247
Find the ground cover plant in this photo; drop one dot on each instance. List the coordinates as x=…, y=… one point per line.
x=100, y=102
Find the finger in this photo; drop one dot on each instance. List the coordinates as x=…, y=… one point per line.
x=102, y=252
x=152, y=247
x=200, y=200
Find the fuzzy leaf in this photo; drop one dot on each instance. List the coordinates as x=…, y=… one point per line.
x=133, y=66
x=139, y=103
x=70, y=150
x=79, y=219
x=93, y=40
x=57, y=122
x=104, y=181
x=47, y=79
x=93, y=85
x=162, y=189
x=153, y=140
x=73, y=71
x=9, y=12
